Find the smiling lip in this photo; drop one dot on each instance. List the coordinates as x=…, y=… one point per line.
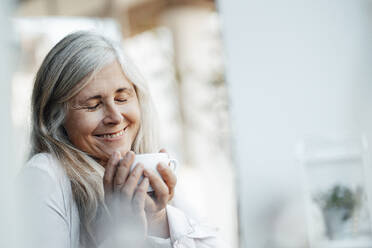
x=112, y=136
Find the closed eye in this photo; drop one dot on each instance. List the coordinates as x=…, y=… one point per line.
x=93, y=107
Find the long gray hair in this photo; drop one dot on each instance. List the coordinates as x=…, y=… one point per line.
x=66, y=70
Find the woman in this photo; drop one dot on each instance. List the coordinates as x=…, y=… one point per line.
x=91, y=113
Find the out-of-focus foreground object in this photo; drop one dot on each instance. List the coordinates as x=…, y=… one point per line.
x=295, y=69
x=8, y=52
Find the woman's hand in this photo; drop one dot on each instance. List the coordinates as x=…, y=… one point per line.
x=132, y=210
x=125, y=199
x=157, y=201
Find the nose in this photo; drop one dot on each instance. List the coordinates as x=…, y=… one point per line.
x=113, y=115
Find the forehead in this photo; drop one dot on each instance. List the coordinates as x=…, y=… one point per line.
x=106, y=81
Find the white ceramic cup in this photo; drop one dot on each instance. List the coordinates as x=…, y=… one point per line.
x=151, y=160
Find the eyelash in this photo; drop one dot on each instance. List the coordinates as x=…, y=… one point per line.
x=93, y=107
x=96, y=106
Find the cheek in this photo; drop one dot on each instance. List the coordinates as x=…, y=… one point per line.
x=132, y=113
x=80, y=126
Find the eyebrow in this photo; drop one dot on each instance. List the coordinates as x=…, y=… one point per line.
x=120, y=90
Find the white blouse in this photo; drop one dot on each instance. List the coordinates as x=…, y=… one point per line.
x=54, y=219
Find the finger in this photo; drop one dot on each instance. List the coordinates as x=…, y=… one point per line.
x=121, y=175
x=150, y=205
x=123, y=171
x=160, y=188
x=169, y=178
x=139, y=197
x=128, y=159
x=109, y=173
x=132, y=181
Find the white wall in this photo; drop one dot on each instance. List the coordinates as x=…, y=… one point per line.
x=295, y=69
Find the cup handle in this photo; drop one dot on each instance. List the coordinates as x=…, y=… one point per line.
x=173, y=164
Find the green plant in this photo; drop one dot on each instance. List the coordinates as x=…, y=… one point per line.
x=340, y=197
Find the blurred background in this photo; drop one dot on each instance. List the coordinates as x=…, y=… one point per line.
x=264, y=102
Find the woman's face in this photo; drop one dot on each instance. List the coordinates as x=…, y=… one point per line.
x=105, y=115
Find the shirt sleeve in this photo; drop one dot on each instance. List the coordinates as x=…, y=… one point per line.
x=156, y=242
x=44, y=219
x=187, y=233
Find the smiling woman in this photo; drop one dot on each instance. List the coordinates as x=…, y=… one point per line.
x=91, y=114
x=105, y=116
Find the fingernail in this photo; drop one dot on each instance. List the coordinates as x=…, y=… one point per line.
x=146, y=173
x=115, y=154
x=128, y=155
x=161, y=166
